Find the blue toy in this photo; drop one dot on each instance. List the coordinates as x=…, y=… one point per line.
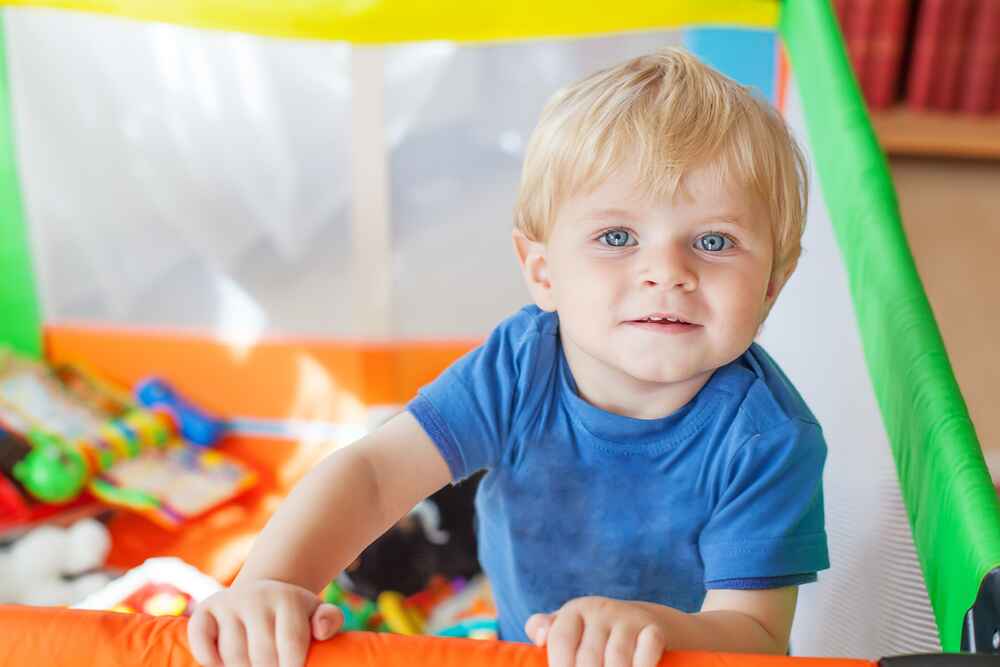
x=194, y=425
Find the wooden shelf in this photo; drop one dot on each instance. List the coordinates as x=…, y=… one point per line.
x=902, y=131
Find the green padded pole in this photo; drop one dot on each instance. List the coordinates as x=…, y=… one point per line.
x=20, y=316
x=949, y=497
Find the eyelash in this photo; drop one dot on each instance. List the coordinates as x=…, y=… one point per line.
x=600, y=237
x=724, y=235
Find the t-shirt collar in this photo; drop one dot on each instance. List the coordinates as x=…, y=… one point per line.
x=678, y=426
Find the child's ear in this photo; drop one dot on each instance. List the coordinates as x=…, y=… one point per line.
x=776, y=284
x=534, y=268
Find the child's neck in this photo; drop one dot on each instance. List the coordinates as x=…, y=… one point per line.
x=614, y=391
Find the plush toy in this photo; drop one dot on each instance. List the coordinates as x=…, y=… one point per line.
x=436, y=539
x=55, y=566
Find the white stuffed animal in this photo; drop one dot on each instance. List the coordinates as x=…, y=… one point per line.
x=53, y=566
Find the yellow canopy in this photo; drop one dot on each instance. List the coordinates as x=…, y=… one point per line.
x=378, y=22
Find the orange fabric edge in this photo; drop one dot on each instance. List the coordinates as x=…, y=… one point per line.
x=782, y=73
x=52, y=636
x=263, y=380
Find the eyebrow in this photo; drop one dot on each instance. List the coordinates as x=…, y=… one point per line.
x=623, y=214
x=735, y=220
x=611, y=214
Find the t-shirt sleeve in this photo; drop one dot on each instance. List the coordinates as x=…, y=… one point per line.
x=769, y=520
x=468, y=410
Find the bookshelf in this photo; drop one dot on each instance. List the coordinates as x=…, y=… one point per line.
x=905, y=132
x=911, y=57
x=951, y=214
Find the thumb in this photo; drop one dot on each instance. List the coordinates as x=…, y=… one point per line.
x=537, y=627
x=325, y=621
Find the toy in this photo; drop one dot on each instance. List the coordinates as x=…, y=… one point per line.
x=76, y=425
x=450, y=609
x=77, y=432
x=436, y=539
x=193, y=424
x=468, y=611
x=52, y=472
x=401, y=618
x=359, y=613
x=159, y=587
x=438, y=590
x=177, y=483
x=20, y=511
x=480, y=628
x=53, y=566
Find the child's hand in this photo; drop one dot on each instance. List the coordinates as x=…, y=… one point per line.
x=260, y=623
x=596, y=632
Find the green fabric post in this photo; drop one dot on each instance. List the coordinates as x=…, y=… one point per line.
x=950, y=499
x=20, y=316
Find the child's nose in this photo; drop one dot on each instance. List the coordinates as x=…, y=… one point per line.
x=668, y=269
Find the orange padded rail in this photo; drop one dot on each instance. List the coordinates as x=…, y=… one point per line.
x=33, y=636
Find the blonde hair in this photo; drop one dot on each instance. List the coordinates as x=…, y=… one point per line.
x=666, y=113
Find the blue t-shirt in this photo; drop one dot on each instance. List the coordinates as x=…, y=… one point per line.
x=726, y=492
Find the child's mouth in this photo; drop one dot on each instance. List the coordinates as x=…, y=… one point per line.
x=664, y=324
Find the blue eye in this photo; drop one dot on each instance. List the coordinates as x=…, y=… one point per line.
x=714, y=242
x=617, y=238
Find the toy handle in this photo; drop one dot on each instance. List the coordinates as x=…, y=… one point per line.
x=193, y=424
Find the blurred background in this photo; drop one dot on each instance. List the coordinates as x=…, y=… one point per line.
x=930, y=74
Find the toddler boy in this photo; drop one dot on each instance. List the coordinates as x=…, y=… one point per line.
x=653, y=479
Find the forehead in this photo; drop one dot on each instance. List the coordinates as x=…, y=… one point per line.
x=703, y=192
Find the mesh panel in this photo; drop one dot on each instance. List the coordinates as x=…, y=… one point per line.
x=183, y=178
x=909, y=622
x=872, y=602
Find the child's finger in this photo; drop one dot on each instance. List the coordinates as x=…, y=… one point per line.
x=564, y=638
x=537, y=627
x=620, y=648
x=649, y=647
x=590, y=652
x=292, y=635
x=259, y=626
x=203, y=632
x=232, y=640
x=325, y=622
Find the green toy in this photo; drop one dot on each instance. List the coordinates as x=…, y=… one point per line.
x=358, y=611
x=51, y=472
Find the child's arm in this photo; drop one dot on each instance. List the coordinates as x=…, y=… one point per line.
x=347, y=501
x=615, y=633
x=759, y=621
x=339, y=508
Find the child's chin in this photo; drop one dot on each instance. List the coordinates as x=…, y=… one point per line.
x=664, y=373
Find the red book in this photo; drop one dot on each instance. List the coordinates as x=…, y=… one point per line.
x=995, y=107
x=981, y=67
x=886, y=51
x=840, y=9
x=926, y=50
x=944, y=96
x=860, y=15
